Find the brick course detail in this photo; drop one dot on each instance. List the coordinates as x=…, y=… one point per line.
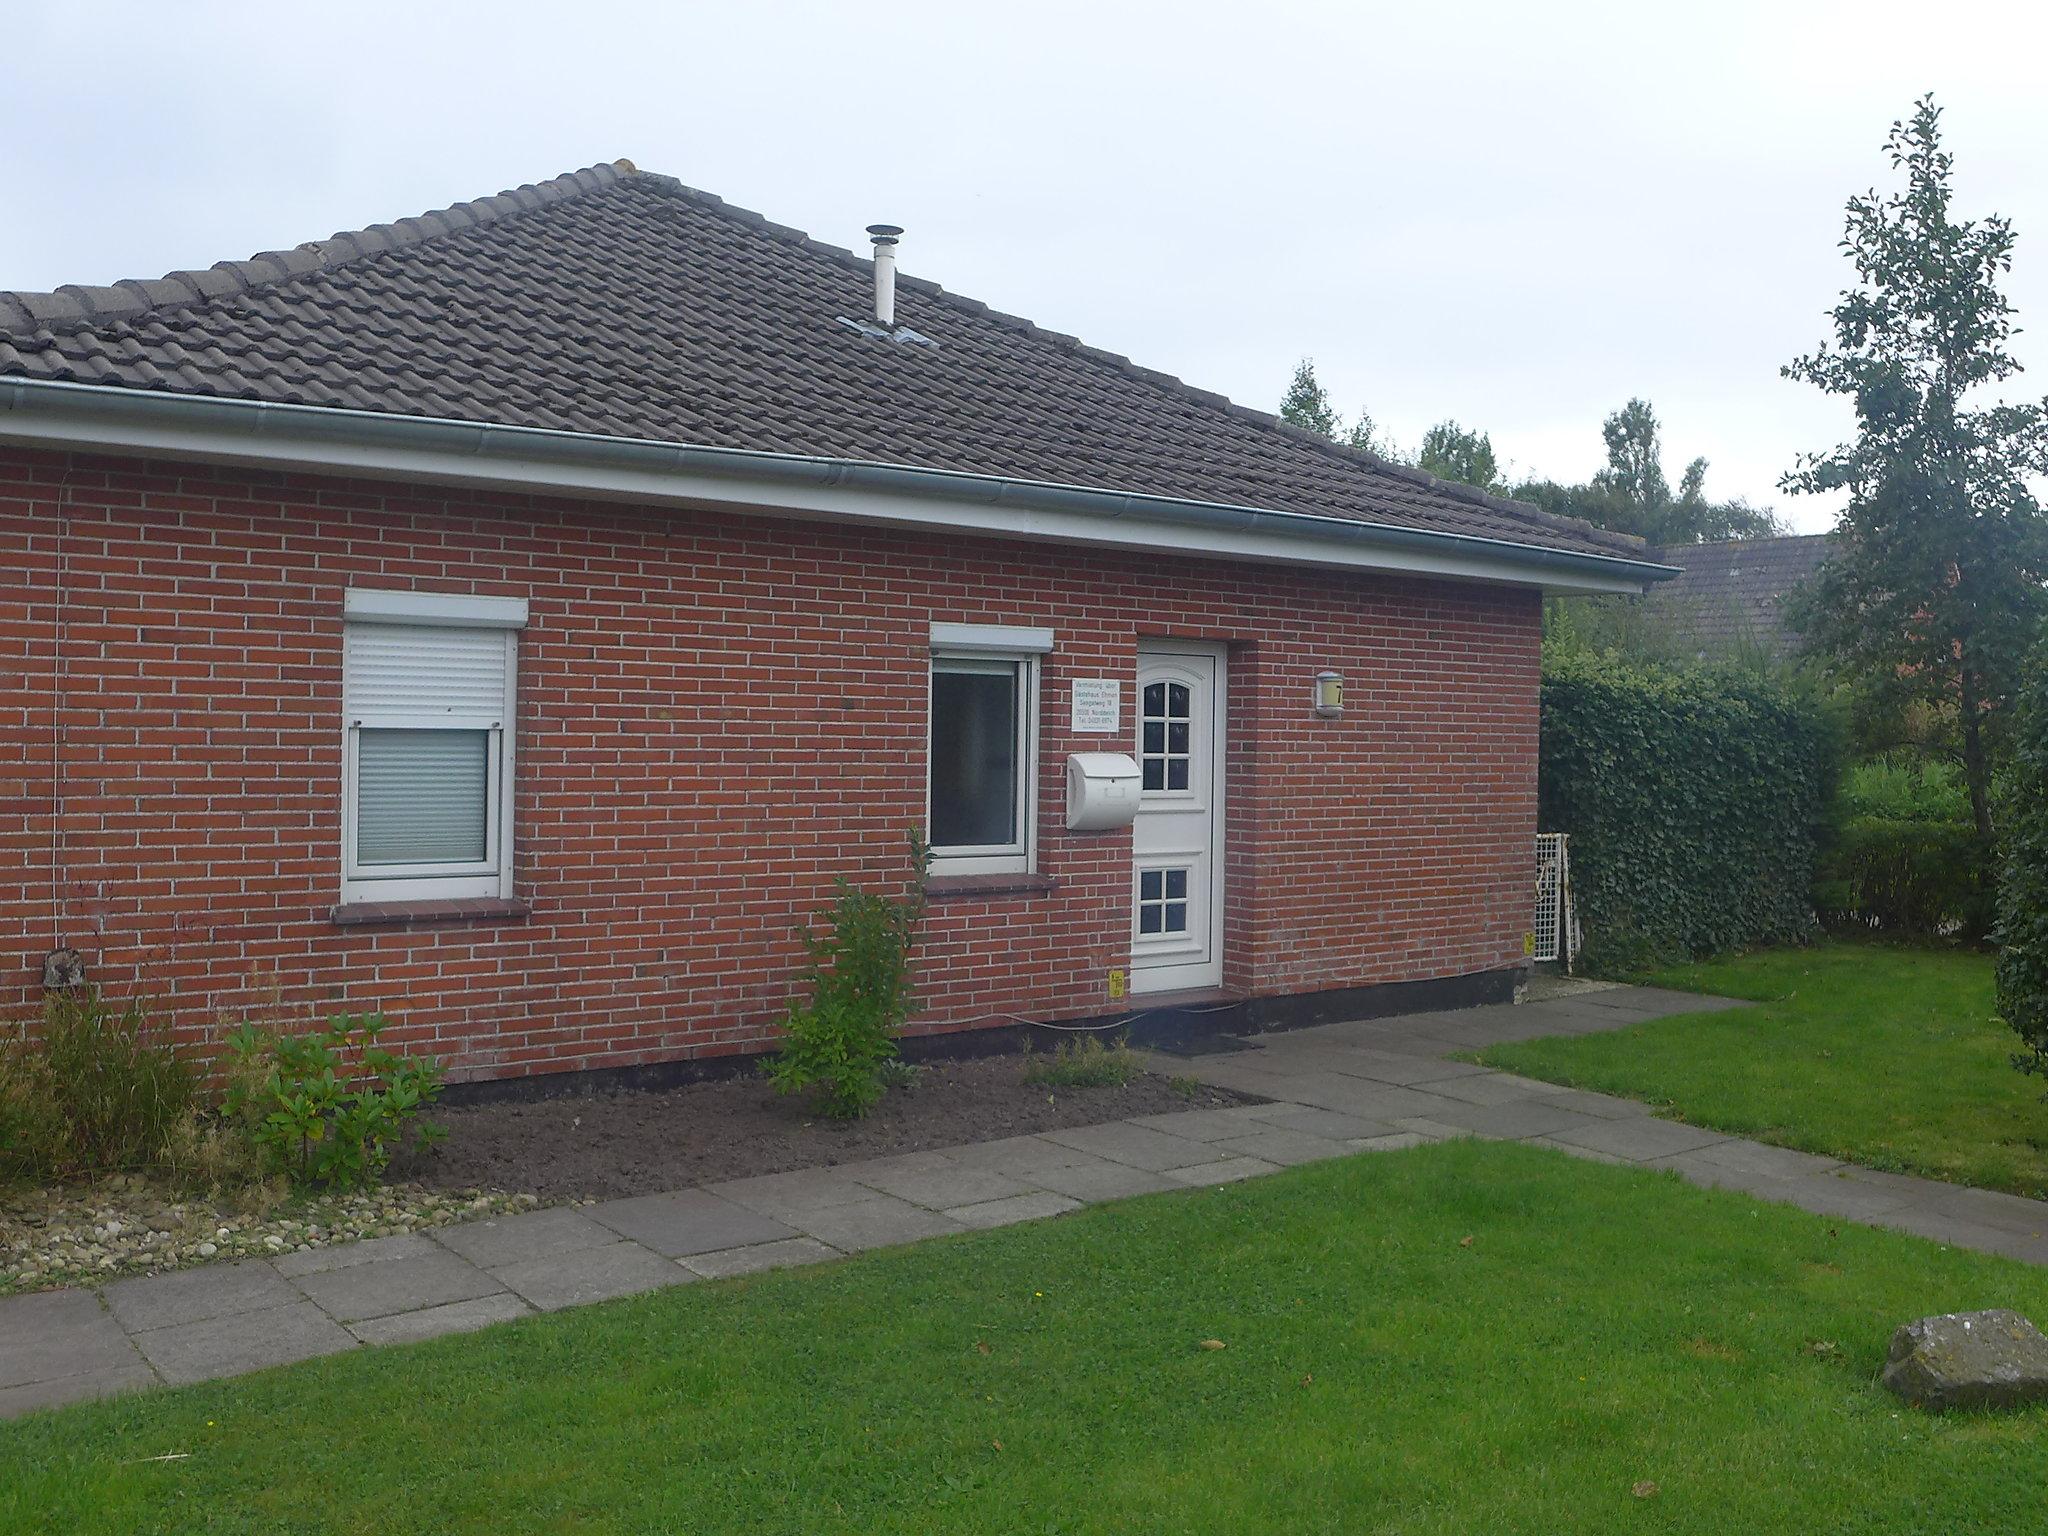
x=717, y=715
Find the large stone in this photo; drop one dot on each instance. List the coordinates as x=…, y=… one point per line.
x=1994, y=1359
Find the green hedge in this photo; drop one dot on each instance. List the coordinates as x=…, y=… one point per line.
x=1904, y=878
x=2022, y=934
x=1694, y=799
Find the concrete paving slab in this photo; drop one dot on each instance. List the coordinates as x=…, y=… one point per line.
x=195, y=1295
x=374, y=1250
x=1639, y=1139
x=1020, y=1156
x=1369, y=1101
x=1589, y=1154
x=1035, y=1206
x=1285, y=1148
x=1203, y=1124
x=881, y=1221
x=687, y=1221
x=1826, y=1195
x=1960, y=1232
x=1514, y=1122
x=1758, y=1157
x=430, y=1279
x=1432, y=1130
x=51, y=1334
x=1602, y=1106
x=757, y=1257
x=242, y=1342
x=946, y=1187
x=1229, y=1171
x=1493, y=1088
x=1394, y=1142
x=433, y=1322
x=505, y=1240
x=1986, y=1207
x=784, y=1195
x=1311, y=1121
x=32, y=1397
x=1099, y=1181
x=1394, y=1068
x=1122, y=1142
x=584, y=1275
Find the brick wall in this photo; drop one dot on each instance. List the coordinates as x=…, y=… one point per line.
x=717, y=715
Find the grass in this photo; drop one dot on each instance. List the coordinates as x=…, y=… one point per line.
x=1889, y=1057
x=1612, y=1350
x=1084, y=1063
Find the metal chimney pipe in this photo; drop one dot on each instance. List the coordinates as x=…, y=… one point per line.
x=885, y=236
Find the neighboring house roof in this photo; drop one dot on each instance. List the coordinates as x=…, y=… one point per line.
x=1734, y=594
x=626, y=305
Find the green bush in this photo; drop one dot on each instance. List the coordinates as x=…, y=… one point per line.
x=2022, y=932
x=330, y=1107
x=1084, y=1063
x=1694, y=799
x=91, y=1090
x=839, y=1040
x=1902, y=856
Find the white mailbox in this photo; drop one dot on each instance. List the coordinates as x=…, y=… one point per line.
x=1102, y=790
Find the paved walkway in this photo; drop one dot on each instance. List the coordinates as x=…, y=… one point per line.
x=1334, y=1090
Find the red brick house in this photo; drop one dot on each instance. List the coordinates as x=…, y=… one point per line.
x=514, y=617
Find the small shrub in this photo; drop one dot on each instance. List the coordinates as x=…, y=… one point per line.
x=1186, y=1087
x=330, y=1107
x=839, y=1039
x=2022, y=932
x=91, y=1091
x=1085, y=1063
x=898, y=1073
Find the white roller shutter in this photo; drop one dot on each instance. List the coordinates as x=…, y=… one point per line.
x=428, y=711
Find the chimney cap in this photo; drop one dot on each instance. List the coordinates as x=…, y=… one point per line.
x=885, y=234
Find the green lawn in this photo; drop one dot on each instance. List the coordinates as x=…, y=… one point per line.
x=1883, y=1056
x=1604, y=1329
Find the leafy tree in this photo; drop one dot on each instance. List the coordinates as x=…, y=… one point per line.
x=1307, y=404
x=1364, y=435
x=1450, y=452
x=1937, y=581
x=1632, y=494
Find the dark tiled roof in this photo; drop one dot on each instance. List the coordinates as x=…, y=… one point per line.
x=615, y=302
x=1734, y=594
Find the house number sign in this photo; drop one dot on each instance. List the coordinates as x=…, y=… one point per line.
x=1098, y=705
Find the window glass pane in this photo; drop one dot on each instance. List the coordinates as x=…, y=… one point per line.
x=1176, y=773
x=421, y=796
x=974, y=758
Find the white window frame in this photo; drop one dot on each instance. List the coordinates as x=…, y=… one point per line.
x=490, y=876
x=988, y=648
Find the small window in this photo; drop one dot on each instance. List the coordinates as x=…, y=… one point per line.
x=982, y=757
x=427, y=702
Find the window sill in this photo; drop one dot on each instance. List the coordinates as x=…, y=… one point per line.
x=358, y=914
x=939, y=887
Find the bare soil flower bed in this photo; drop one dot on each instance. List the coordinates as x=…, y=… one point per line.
x=610, y=1144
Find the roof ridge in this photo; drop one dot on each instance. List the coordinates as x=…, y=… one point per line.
x=76, y=305
x=1210, y=399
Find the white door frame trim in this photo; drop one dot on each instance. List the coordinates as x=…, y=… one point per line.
x=1219, y=799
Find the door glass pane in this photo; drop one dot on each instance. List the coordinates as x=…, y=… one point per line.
x=422, y=796
x=974, y=758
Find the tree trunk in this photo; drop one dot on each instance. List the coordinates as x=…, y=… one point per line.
x=1976, y=770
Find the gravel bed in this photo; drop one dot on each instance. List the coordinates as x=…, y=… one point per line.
x=84, y=1237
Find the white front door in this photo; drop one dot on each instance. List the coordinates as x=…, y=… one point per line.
x=1177, y=874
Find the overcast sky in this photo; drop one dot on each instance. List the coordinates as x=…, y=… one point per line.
x=1514, y=215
